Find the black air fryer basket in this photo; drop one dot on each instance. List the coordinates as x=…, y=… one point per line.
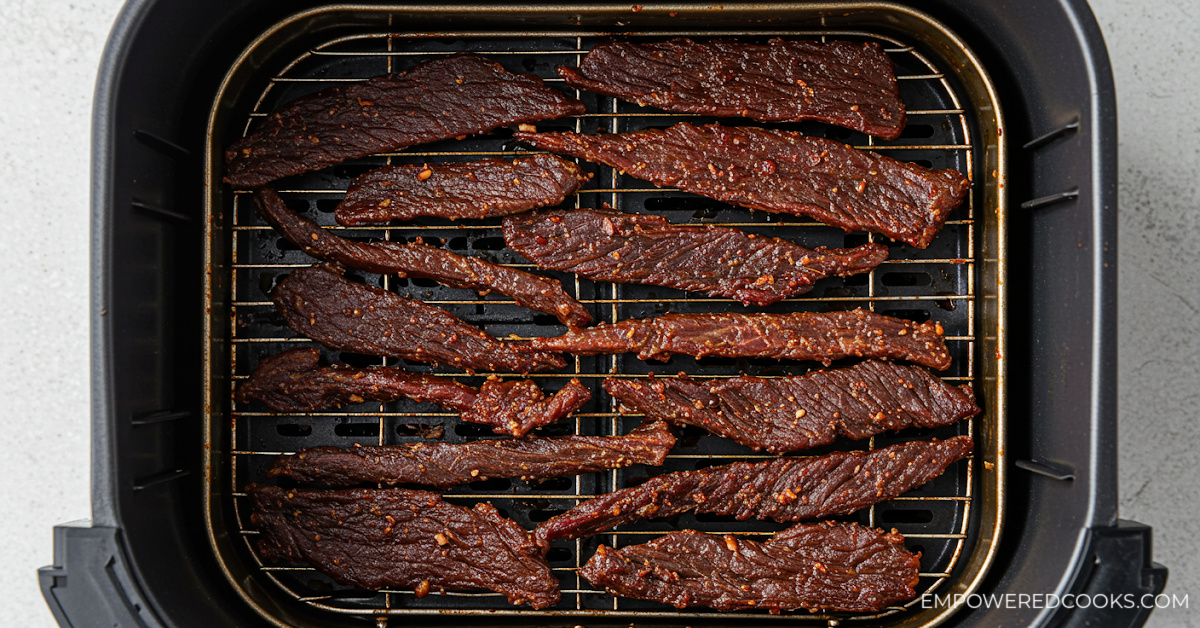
x=1017, y=95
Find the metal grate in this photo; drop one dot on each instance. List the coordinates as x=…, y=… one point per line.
x=937, y=283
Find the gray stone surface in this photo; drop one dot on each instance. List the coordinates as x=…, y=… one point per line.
x=49, y=51
x=48, y=55
x=1154, y=53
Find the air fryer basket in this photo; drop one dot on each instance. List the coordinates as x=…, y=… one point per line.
x=166, y=545
x=954, y=122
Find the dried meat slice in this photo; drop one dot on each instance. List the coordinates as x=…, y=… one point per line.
x=422, y=261
x=439, y=99
x=294, y=381
x=839, y=82
x=782, y=414
x=779, y=171
x=612, y=246
x=446, y=464
x=397, y=538
x=782, y=489
x=819, y=567
x=318, y=302
x=821, y=336
x=455, y=191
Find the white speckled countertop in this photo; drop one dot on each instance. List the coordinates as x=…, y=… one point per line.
x=1153, y=48
x=49, y=50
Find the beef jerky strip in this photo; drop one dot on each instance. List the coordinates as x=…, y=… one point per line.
x=426, y=262
x=319, y=303
x=782, y=489
x=446, y=464
x=825, y=566
x=439, y=99
x=396, y=538
x=798, y=336
x=719, y=261
x=840, y=82
x=478, y=189
x=293, y=381
x=779, y=171
x=785, y=414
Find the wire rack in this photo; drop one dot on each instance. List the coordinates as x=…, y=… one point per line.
x=937, y=283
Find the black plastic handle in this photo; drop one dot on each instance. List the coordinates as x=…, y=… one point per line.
x=90, y=583
x=1122, y=569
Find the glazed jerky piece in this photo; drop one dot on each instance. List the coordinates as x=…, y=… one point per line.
x=719, y=261
x=446, y=464
x=427, y=262
x=785, y=414
x=797, y=336
x=395, y=538
x=439, y=99
x=840, y=82
x=779, y=171
x=294, y=381
x=319, y=303
x=782, y=489
x=478, y=189
x=827, y=566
